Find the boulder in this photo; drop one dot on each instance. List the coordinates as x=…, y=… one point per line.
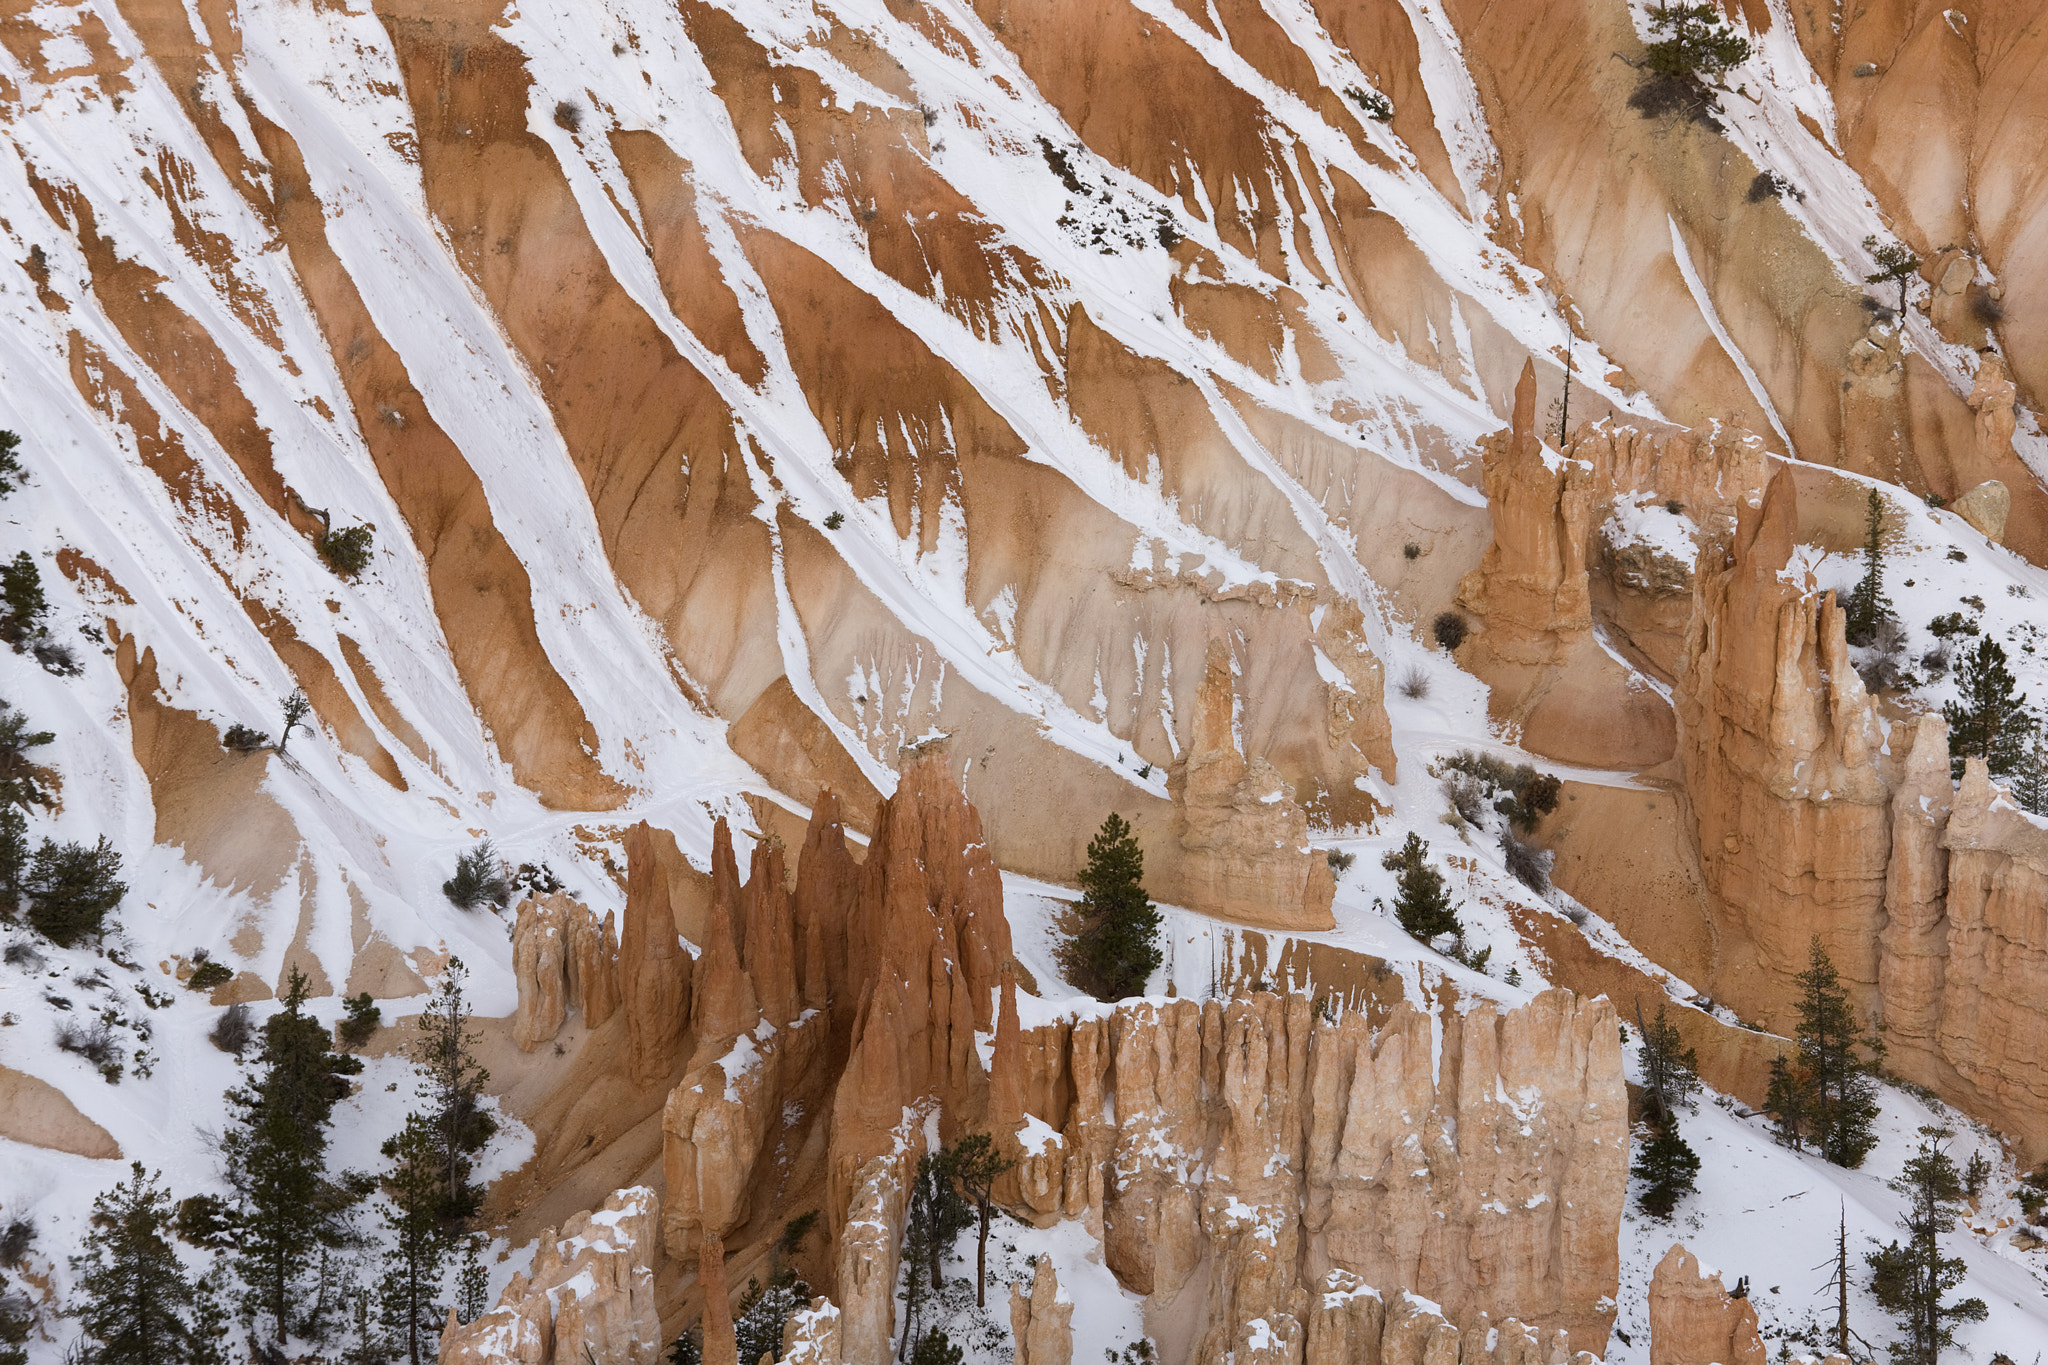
x=1985, y=507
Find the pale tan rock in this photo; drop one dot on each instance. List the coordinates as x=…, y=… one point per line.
x=1243, y=838
x=1041, y=1323
x=811, y=1336
x=1914, y=943
x=1994, y=398
x=1694, y=1320
x=1985, y=507
x=654, y=971
x=1346, y=1319
x=539, y=967
x=721, y=1343
x=589, y=1299
x=870, y=1248
x=1780, y=743
x=593, y=964
x=35, y=1112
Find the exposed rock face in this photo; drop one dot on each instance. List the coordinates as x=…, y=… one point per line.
x=654, y=971
x=1780, y=744
x=1693, y=1319
x=1244, y=839
x=1041, y=1323
x=540, y=962
x=1985, y=507
x=563, y=959
x=870, y=1252
x=1263, y=1137
x=811, y=1336
x=588, y=1299
x=1806, y=826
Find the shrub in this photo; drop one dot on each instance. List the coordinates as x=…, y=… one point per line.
x=479, y=879
x=71, y=888
x=233, y=1031
x=835, y=521
x=1372, y=103
x=1414, y=684
x=208, y=975
x=1950, y=624
x=347, y=551
x=1450, y=629
x=16, y=1237
x=1673, y=96
x=1771, y=185
x=1339, y=861
x=1473, y=781
x=243, y=740
x=1527, y=864
x=568, y=115
x=91, y=1038
x=363, y=1021
x=57, y=658
x=1411, y=551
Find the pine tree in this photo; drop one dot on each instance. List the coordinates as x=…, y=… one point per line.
x=452, y=1083
x=922, y=1247
x=2029, y=776
x=1671, y=1070
x=212, y=1343
x=22, y=606
x=1895, y=263
x=366, y=1338
x=1697, y=41
x=974, y=1164
x=132, y=1289
x=13, y=860
x=1117, y=949
x=11, y=472
x=71, y=889
x=1867, y=601
x=1986, y=720
x=1828, y=1096
x=414, y=1187
x=1669, y=1168
x=22, y=782
x=1839, y=1280
x=277, y=1159
x=472, y=1283
x=1910, y=1279
x=936, y=1348
x=295, y=708
x=1423, y=907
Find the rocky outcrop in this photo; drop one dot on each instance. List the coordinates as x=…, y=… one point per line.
x=1272, y=1142
x=811, y=1336
x=1780, y=745
x=1243, y=838
x=588, y=1298
x=1695, y=1321
x=1041, y=1322
x=654, y=971
x=1985, y=507
x=562, y=959
x=34, y=1112
x=870, y=1251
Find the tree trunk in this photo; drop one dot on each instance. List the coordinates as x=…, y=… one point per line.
x=981, y=1261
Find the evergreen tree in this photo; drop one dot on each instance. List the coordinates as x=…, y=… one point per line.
x=1867, y=601
x=22, y=782
x=1696, y=41
x=974, y=1164
x=414, y=1185
x=936, y=1348
x=1671, y=1070
x=452, y=1083
x=1669, y=1168
x=1828, y=1096
x=472, y=1283
x=71, y=889
x=15, y=1318
x=11, y=472
x=366, y=1344
x=922, y=1247
x=212, y=1343
x=277, y=1159
x=1986, y=720
x=1118, y=947
x=131, y=1287
x=22, y=606
x=1895, y=263
x=2030, y=775
x=13, y=860
x=1424, y=906
x=1910, y=1279
x=295, y=708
